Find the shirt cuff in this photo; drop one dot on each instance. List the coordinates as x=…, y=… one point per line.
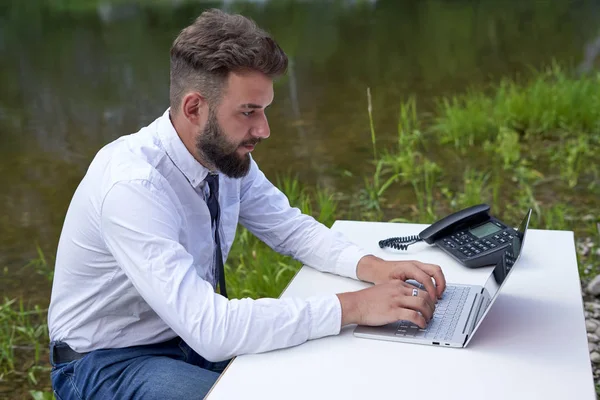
x=325, y=316
x=347, y=263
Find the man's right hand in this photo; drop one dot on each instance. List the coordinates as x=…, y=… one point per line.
x=386, y=303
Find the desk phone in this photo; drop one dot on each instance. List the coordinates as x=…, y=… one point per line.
x=471, y=236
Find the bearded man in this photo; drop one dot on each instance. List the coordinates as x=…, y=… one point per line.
x=139, y=308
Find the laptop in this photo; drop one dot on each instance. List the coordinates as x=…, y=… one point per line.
x=459, y=313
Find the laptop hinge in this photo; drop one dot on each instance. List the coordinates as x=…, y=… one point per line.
x=472, y=318
x=470, y=313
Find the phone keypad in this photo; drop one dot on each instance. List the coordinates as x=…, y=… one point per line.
x=460, y=238
x=503, y=237
x=469, y=246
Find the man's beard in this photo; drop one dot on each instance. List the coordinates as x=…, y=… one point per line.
x=212, y=145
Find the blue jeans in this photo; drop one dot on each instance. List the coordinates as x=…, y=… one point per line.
x=169, y=370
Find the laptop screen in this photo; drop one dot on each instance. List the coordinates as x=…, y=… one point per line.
x=504, y=266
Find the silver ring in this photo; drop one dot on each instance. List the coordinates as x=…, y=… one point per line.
x=415, y=292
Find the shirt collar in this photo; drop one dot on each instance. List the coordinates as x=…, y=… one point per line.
x=178, y=153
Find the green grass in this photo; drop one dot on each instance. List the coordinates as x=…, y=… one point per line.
x=23, y=343
x=475, y=190
x=465, y=120
x=406, y=161
x=553, y=104
x=41, y=266
x=21, y=329
x=515, y=146
x=253, y=269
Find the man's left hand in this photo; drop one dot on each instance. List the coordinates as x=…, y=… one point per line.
x=374, y=269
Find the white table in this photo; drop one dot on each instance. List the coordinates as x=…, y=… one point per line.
x=532, y=344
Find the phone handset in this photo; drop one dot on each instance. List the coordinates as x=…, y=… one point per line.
x=445, y=227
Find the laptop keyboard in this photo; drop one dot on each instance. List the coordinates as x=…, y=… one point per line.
x=446, y=315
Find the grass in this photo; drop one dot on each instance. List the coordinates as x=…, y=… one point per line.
x=475, y=190
x=41, y=266
x=23, y=343
x=516, y=145
x=552, y=104
x=253, y=269
x=406, y=161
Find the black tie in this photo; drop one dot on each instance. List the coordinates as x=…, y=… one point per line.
x=213, y=206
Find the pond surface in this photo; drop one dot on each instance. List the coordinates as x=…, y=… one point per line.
x=73, y=78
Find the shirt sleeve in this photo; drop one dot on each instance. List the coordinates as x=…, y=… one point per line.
x=266, y=212
x=141, y=227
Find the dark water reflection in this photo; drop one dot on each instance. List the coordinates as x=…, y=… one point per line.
x=73, y=79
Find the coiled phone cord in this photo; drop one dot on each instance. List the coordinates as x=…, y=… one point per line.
x=400, y=243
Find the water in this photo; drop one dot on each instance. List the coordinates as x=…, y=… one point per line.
x=76, y=76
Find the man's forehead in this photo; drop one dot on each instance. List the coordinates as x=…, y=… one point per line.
x=249, y=89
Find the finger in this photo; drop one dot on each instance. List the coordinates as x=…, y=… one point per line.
x=412, y=316
x=408, y=285
x=422, y=294
x=424, y=279
x=436, y=272
x=418, y=304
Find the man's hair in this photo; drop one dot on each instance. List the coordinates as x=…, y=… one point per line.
x=215, y=44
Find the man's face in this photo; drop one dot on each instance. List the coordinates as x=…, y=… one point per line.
x=238, y=124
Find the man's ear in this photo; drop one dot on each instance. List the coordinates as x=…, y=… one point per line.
x=195, y=108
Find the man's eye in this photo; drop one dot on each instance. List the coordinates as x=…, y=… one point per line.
x=247, y=113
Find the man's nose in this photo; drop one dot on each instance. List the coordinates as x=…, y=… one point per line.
x=262, y=130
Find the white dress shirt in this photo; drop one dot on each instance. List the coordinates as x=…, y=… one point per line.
x=135, y=258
